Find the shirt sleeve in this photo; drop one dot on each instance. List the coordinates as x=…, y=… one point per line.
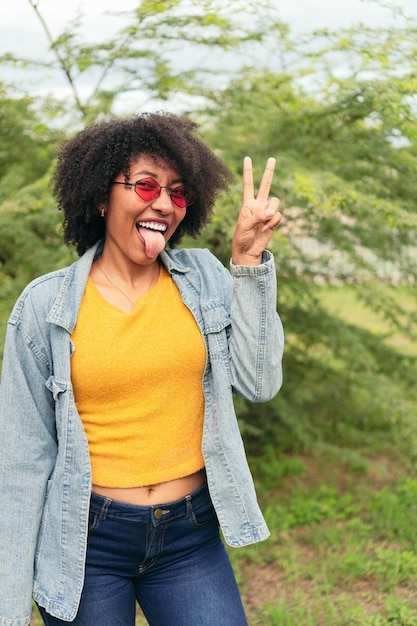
x=257, y=339
x=27, y=456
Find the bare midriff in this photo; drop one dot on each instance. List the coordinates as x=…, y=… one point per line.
x=155, y=494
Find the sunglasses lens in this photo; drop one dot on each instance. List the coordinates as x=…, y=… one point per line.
x=182, y=198
x=147, y=189
x=178, y=198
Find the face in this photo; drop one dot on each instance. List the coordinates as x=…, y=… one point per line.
x=138, y=229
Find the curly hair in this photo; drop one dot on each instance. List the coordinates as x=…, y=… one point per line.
x=89, y=162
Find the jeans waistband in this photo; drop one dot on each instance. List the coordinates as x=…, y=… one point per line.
x=106, y=507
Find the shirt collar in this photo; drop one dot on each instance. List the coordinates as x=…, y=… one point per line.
x=64, y=311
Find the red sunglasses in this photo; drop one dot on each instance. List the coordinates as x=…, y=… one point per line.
x=148, y=189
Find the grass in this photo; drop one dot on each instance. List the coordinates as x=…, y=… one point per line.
x=343, y=521
x=344, y=303
x=342, y=549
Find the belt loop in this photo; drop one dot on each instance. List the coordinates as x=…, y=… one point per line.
x=104, y=509
x=188, y=506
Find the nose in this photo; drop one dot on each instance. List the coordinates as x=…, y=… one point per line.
x=163, y=202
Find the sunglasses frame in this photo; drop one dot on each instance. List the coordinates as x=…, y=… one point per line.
x=188, y=196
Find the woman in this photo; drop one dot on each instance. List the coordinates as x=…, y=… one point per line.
x=120, y=449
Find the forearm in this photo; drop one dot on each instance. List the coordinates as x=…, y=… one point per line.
x=257, y=340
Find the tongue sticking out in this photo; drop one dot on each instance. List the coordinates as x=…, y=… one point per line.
x=154, y=241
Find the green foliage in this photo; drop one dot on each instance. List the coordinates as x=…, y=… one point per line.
x=345, y=183
x=337, y=612
x=336, y=376
x=161, y=53
x=341, y=551
x=393, y=512
x=30, y=231
x=344, y=140
x=309, y=507
x=30, y=243
x=26, y=143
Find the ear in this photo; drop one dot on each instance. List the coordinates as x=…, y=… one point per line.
x=102, y=210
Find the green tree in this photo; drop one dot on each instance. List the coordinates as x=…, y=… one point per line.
x=166, y=47
x=342, y=126
x=26, y=142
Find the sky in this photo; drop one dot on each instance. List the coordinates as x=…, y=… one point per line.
x=20, y=29
x=22, y=34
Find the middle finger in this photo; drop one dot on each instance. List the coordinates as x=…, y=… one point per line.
x=266, y=182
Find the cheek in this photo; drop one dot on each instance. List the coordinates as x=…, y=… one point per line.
x=179, y=216
x=181, y=213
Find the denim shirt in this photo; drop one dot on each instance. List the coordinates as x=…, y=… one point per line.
x=45, y=474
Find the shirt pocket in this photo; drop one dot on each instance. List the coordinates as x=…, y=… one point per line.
x=216, y=321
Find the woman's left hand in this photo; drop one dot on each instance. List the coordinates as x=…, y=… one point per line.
x=258, y=218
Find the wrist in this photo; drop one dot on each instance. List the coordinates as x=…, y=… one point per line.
x=246, y=259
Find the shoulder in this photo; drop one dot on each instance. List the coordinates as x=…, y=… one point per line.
x=62, y=287
x=39, y=294
x=201, y=270
x=200, y=259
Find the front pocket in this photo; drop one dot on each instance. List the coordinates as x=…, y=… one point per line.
x=93, y=521
x=204, y=515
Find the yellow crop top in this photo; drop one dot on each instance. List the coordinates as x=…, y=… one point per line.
x=137, y=380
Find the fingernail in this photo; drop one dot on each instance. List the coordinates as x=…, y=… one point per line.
x=269, y=212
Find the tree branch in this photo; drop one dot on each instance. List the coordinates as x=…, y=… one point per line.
x=61, y=60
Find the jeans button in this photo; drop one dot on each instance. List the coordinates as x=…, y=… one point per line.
x=158, y=513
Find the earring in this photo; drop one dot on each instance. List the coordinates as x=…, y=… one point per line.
x=102, y=212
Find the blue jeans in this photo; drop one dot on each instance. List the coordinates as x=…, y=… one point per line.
x=170, y=558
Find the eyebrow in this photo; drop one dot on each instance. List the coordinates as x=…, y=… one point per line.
x=153, y=175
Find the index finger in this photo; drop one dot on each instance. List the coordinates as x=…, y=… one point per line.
x=248, y=191
x=266, y=182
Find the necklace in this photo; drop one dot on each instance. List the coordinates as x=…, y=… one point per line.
x=112, y=283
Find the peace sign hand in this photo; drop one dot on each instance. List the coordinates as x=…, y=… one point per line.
x=258, y=218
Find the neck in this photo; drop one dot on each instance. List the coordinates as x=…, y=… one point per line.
x=123, y=288
x=126, y=272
